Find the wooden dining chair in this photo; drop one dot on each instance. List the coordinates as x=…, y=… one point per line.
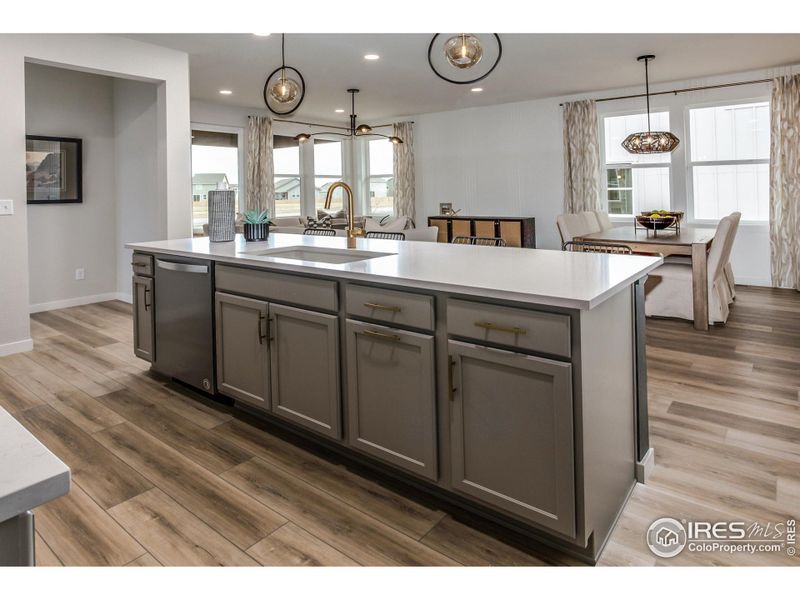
x=324, y=231
x=385, y=235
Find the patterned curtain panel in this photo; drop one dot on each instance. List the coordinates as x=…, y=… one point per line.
x=784, y=182
x=404, y=180
x=581, y=157
x=260, y=170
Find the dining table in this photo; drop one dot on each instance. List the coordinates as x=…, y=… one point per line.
x=686, y=240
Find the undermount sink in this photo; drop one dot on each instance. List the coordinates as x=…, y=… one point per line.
x=333, y=256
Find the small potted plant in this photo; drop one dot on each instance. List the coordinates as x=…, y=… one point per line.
x=256, y=225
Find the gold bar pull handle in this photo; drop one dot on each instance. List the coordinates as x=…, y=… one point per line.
x=503, y=328
x=376, y=306
x=379, y=334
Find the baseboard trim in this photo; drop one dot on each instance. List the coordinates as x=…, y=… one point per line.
x=15, y=347
x=645, y=467
x=754, y=282
x=69, y=302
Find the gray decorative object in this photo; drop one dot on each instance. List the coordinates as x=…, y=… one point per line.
x=221, y=215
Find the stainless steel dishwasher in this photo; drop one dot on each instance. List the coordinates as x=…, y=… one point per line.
x=184, y=323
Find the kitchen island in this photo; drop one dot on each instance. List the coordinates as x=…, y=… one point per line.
x=30, y=475
x=507, y=381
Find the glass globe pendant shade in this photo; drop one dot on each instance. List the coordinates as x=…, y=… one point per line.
x=650, y=142
x=285, y=90
x=463, y=51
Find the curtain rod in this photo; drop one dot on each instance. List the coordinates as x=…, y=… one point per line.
x=682, y=90
x=329, y=126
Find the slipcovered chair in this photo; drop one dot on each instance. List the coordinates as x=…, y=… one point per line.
x=592, y=220
x=603, y=220
x=669, y=287
x=572, y=225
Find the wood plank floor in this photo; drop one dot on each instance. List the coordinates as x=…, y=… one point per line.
x=162, y=477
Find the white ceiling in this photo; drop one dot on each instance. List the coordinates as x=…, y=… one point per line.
x=401, y=82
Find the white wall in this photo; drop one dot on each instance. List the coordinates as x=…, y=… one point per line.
x=102, y=55
x=139, y=215
x=64, y=237
x=507, y=160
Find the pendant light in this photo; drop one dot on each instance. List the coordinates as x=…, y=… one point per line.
x=454, y=58
x=649, y=142
x=354, y=130
x=463, y=51
x=283, y=93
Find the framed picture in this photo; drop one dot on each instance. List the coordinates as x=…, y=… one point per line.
x=53, y=169
x=445, y=208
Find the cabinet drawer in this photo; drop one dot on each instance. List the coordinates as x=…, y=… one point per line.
x=528, y=329
x=397, y=308
x=142, y=264
x=291, y=289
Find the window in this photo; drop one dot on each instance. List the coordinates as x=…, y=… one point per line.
x=635, y=182
x=729, y=161
x=286, y=163
x=215, y=165
x=327, y=169
x=381, y=177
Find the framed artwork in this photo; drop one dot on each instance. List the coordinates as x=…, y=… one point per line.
x=53, y=169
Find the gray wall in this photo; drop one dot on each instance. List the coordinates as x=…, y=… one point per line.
x=139, y=216
x=64, y=237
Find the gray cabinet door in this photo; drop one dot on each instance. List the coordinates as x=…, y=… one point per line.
x=511, y=433
x=143, y=321
x=304, y=349
x=392, y=396
x=242, y=349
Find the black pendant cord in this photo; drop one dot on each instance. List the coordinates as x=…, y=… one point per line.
x=283, y=51
x=647, y=92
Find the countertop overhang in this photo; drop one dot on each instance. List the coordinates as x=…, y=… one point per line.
x=578, y=280
x=30, y=475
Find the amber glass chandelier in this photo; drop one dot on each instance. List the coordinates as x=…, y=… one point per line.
x=649, y=142
x=463, y=50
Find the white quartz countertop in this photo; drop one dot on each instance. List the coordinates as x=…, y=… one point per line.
x=548, y=277
x=30, y=474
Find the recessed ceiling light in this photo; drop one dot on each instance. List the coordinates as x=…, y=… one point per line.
x=263, y=34
x=371, y=56
x=478, y=89
x=225, y=92
x=339, y=110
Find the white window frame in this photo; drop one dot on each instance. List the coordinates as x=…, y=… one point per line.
x=313, y=187
x=690, y=164
x=605, y=166
x=368, y=175
x=240, y=159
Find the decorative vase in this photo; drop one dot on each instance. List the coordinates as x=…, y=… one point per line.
x=256, y=232
x=221, y=215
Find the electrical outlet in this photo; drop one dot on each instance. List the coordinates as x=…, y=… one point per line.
x=6, y=207
x=79, y=274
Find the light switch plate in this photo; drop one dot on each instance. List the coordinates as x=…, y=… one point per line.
x=6, y=207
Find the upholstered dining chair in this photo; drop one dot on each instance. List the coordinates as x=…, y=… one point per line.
x=603, y=219
x=575, y=225
x=669, y=291
x=730, y=282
